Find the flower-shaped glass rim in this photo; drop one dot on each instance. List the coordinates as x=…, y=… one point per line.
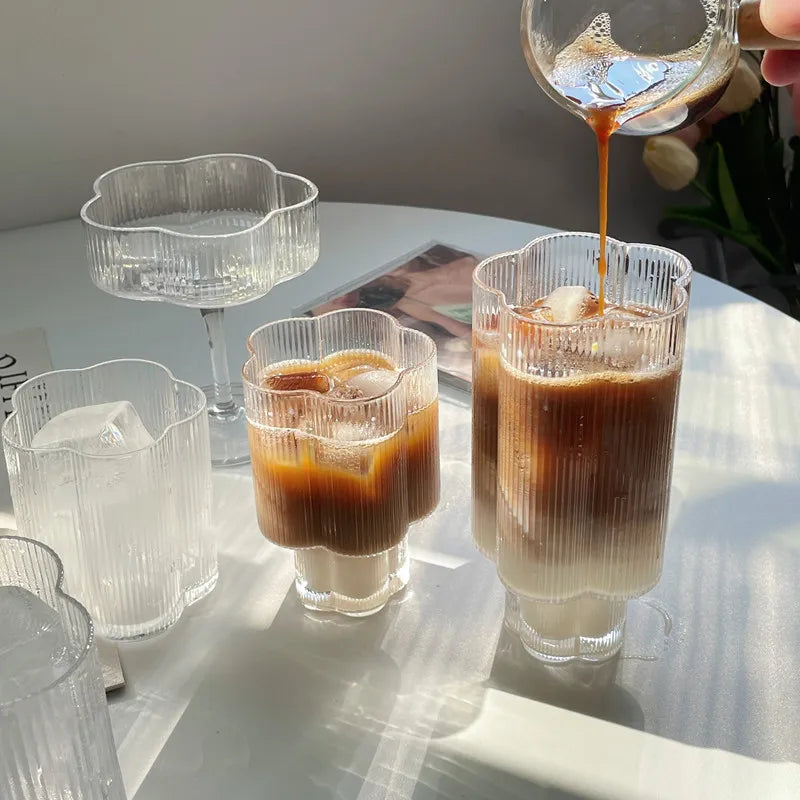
x=58, y=588
x=97, y=188
x=315, y=323
x=200, y=396
x=680, y=283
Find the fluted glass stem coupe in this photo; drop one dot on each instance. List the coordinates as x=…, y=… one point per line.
x=208, y=233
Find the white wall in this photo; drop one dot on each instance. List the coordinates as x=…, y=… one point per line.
x=423, y=102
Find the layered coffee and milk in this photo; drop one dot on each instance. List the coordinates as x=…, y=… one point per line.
x=485, y=387
x=348, y=483
x=578, y=477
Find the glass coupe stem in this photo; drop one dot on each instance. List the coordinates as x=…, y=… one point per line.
x=223, y=400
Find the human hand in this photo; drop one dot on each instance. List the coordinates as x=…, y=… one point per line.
x=782, y=67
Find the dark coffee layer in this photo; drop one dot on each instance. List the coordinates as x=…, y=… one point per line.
x=571, y=474
x=584, y=467
x=353, y=497
x=485, y=378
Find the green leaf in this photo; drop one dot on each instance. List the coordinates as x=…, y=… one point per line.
x=727, y=194
x=778, y=201
x=743, y=175
x=700, y=213
x=755, y=162
x=794, y=199
x=708, y=220
x=711, y=182
x=755, y=159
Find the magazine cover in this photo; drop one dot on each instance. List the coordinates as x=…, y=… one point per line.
x=431, y=291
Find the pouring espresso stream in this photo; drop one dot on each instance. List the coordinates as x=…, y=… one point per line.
x=633, y=85
x=574, y=413
x=604, y=124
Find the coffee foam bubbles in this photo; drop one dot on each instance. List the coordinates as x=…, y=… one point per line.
x=595, y=72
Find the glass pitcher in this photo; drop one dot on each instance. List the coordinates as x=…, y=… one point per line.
x=660, y=65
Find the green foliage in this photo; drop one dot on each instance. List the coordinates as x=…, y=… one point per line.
x=753, y=197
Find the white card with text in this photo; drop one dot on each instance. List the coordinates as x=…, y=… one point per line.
x=23, y=355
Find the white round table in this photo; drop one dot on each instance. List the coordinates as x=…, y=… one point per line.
x=249, y=697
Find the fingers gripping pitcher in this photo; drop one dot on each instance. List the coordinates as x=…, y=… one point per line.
x=573, y=429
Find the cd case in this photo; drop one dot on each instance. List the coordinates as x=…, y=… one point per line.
x=113, y=676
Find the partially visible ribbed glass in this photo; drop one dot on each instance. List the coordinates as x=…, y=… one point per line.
x=573, y=433
x=207, y=232
x=55, y=733
x=344, y=437
x=130, y=515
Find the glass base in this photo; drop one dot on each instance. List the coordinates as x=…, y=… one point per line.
x=194, y=594
x=229, y=444
x=139, y=630
x=356, y=586
x=586, y=628
x=152, y=627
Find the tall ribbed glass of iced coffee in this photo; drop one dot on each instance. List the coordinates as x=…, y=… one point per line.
x=574, y=407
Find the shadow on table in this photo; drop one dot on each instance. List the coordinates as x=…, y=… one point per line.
x=585, y=689
x=725, y=675
x=300, y=709
x=453, y=778
x=277, y=712
x=730, y=675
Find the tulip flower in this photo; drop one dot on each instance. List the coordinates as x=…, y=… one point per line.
x=743, y=91
x=672, y=163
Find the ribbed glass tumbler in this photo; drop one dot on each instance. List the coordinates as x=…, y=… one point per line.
x=55, y=732
x=573, y=432
x=110, y=466
x=344, y=436
x=208, y=232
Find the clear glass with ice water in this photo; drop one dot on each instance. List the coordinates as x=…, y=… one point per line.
x=110, y=466
x=55, y=731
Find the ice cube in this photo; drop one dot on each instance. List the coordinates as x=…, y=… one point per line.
x=104, y=429
x=33, y=644
x=627, y=313
x=311, y=381
x=619, y=342
x=568, y=304
x=349, y=446
x=118, y=499
x=343, y=391
x=370, y=382
x=352, y=431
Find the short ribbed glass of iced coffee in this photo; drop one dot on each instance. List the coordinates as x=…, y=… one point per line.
x=574, y=413
x=343, y=419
